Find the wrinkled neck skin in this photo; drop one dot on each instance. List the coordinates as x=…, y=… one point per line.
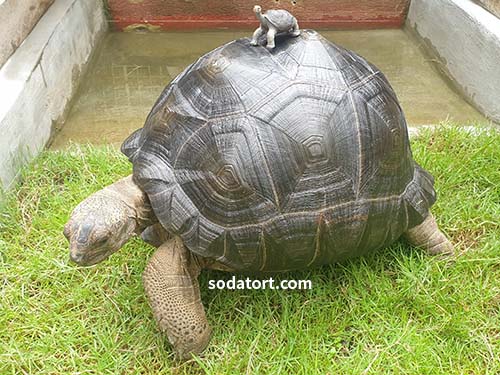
x=261, y=18
x=135, y=199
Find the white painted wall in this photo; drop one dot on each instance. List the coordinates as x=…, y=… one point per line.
x=39, y=79
x=466, y=38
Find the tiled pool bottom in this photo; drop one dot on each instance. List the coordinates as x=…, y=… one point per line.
x=131, y=69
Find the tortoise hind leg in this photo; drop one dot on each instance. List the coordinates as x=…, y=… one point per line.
x=295, y=29
x=170, y=281
x=428, y=237
x=271, y=33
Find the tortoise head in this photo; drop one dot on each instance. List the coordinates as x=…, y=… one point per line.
x=257, y=9
x=98, y=227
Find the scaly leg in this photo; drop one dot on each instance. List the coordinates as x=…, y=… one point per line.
x=256, y=35
x=171, y=284
x=428, y=237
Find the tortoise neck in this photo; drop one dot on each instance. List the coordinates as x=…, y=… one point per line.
x=260, y=17
x=129, y=193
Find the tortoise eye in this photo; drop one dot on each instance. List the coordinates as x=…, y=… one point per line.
x=100, y=241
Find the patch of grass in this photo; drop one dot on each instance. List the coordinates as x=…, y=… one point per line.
x=397, y=311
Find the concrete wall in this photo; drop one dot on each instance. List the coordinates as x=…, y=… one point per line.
x=465, y=38
x=492, y=5
x=17, y=20
x=38, y=80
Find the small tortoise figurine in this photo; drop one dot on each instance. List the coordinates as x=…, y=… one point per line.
x=256, y=162
x=273, y=22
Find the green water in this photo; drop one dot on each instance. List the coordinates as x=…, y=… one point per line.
x=130, y=70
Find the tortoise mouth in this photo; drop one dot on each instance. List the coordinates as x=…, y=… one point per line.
x=88, y=259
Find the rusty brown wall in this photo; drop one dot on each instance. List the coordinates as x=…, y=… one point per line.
x=17, y=18
x=196, y=14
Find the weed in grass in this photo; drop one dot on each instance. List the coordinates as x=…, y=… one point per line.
x=397, y=311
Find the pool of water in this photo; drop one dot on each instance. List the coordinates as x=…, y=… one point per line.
x=130, y=70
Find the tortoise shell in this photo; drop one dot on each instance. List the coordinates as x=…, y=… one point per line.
x=279, y=18
x=278, y=160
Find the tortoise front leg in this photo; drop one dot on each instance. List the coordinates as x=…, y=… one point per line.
x=256, y=35
x=428, y=237
x=171, y=284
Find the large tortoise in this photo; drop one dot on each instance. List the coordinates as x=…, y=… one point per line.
x=260, y=161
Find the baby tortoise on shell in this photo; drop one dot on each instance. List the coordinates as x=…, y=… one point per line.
x=274, y=21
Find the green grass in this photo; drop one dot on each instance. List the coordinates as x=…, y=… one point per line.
x=394, y=312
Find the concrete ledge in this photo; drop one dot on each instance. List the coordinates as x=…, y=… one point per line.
x=491, y=5
x=466, y=40
x=38, y=80
x=18, y=18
